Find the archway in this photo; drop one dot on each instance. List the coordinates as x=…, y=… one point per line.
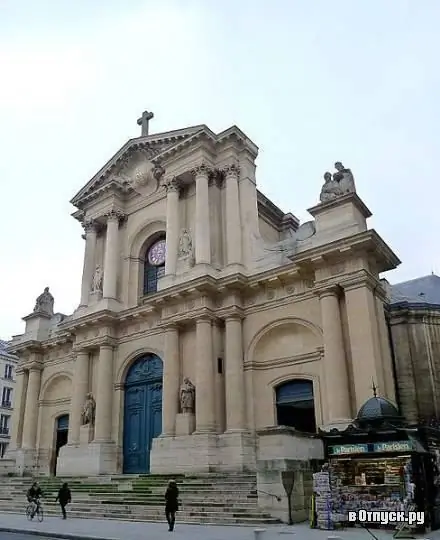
x=295, y=405
x=61, y=434
x=142, y=412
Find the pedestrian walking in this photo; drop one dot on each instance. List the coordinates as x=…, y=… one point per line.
x=64, y=497
x=171, y=503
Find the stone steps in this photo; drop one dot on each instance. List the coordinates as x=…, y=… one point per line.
x=210, y=498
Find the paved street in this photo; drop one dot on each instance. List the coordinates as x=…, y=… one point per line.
x=118, y=530
x=19, y=536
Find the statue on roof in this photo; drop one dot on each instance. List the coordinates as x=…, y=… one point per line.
x=338, y=184
x=44, y=303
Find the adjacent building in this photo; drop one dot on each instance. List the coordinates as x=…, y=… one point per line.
x=414, y=319
x=209, y=319
x=8, y=364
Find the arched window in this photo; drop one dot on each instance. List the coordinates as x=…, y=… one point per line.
x=296, y=405
x=154, y=266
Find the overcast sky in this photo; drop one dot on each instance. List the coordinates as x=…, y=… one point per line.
x=310, y=82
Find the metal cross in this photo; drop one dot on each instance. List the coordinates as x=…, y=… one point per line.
x=374, y=388
x=144, y=121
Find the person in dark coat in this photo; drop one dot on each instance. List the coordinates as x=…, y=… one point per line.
x=171, y=503
x=64, y=498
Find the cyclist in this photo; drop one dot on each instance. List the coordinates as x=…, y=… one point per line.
x=34, y=495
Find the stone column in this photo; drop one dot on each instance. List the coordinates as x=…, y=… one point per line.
x=233, y=221
x=31, y=409
x=80, y=388
x=335, y=362
x=21, y=381
x=172, y=230
x=364, y=339
x=389, y=390
x=203, y=232
x=89, y=261
x=170, y=407
x=111, y=258
x=104, y=395
x=234, y=375
x=205, y=384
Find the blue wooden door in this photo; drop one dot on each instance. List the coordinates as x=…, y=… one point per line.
x=142, y=413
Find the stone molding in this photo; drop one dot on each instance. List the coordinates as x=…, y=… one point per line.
x=313, y=356
x=360, y=279
x=329, y=290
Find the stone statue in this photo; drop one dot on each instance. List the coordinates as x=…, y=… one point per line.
x=345, y=178
x=44, y=302
x=331, y=188
x=97, y=279
x=88, y=412
x=187, y=396
x=185, y=244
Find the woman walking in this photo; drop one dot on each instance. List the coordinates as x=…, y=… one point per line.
x=171, y=503
x=64, y=498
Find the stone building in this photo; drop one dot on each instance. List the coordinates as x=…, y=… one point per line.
x=8, y=363
x=208, y=317
x=414, y=318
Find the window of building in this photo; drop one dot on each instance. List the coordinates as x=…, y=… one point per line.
x=295, y=405
x=3, y=448
x=154, y=265
x=4, y=424
x=7, y=397
x=8, y=371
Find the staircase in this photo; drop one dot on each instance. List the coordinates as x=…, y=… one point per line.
x=205, y=499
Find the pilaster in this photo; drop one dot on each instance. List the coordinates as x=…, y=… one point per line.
x=79, y=392
x=233, y=221
x=90, y=228
x=335, y=362
x=31, y=409
x=205, y=383
x=234, y=375
x=203, y=232
x=111, y=258
x=172, y=226
x=104, y=394
x=170, y=406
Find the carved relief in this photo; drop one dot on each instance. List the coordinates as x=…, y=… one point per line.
x=88, y=412
x=97, y=279
x=185, y=245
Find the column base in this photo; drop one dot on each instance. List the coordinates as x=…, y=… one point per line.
x=203, y=453
x=88, y=459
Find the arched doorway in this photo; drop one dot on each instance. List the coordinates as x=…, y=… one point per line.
x=61, y=434
x=295, y=405
x=142, y=412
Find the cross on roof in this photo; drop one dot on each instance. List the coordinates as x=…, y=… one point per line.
x=374, y=388
x=144, y=121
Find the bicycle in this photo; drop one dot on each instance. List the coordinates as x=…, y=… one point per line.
x=31, y=511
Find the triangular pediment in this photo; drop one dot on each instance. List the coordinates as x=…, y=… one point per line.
x=127, y=158
x=133, y=164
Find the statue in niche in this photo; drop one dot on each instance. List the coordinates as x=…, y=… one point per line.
x=44, y=302
x=187, y=396
x=185, y=244
x=88, y=413
x=97, y=279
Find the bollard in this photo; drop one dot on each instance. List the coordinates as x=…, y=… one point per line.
x=259, y=534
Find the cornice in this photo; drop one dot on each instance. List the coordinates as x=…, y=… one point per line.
x=358, y=279
x=365, y=242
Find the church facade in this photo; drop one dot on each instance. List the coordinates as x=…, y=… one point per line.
x=208, y=318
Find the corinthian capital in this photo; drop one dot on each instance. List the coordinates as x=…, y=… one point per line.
x=231, y=171
x=89, y=225
x=172, y=184
x=202, y=170
x=114, y=215
x=158, y=172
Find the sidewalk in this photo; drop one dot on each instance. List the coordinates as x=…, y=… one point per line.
x=93, y=529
